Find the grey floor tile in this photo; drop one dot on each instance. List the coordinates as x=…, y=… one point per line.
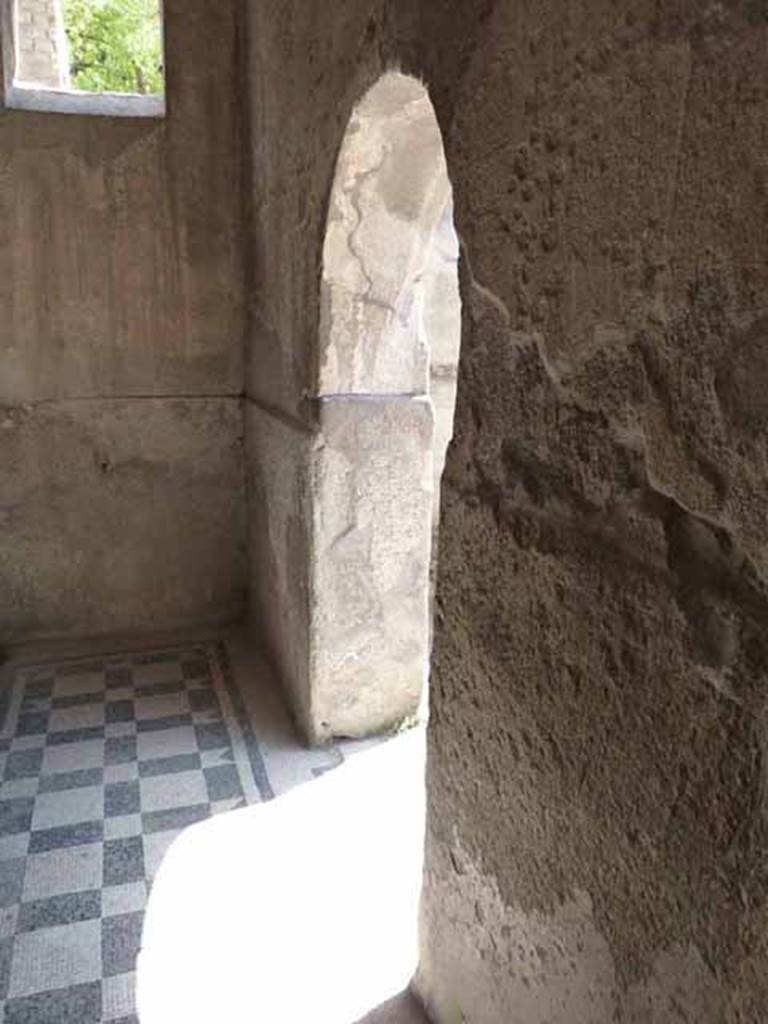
x=169, y=765
x=78, y=1004
x=32, y=724
x=120, y=749
x=175, y=818
x=195, y=668
x=11, y=880
x=119, y=729
x=58, y=739
x=23, y=764
x=78, y=700
x=64, y=909
x=16, y=815
x=123, y=860
x=9, y=917
x=117, y=678
x=213, y=758
x=120, y=711
x=161, y=724
x=71, y=780
x=121, y=798
x=39, y=687
x=204, y=700
x=223, y=782
x=120, y=943
x=157, y=689
x=80, y=671
x=67, y=835
x=6, y=951
x=213, y=736
x=20, y=788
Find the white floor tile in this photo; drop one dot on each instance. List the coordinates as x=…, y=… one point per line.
x=83, y=717
x=74, y=685
x=55, y=958
x=14, y=846
x=123, y=899
x=162, y=705
x=128, y=772
x=68, y=807
x=59, y=871
x=122, y=826
x=118, y=996
x=69, y=757
x=167, y=743
x=156, y=846
x=182, y=789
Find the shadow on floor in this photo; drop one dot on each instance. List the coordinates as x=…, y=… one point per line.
x=402, y=1009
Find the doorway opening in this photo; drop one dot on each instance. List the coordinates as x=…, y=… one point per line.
x=386, y=381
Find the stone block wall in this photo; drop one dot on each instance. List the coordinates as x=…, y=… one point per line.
x=41, y=44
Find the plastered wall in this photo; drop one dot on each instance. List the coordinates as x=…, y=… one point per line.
x=597, y=833
x=121, y=311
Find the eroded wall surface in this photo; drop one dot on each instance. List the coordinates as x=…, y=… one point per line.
x=597, y=832
x=121, y=470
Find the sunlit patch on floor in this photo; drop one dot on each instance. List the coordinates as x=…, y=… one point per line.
x=141, y=783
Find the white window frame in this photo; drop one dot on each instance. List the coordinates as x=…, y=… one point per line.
x=17, y=95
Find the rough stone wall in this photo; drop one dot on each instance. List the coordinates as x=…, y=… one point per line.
x=121, y=470
x=597, y=832
x=41, y=43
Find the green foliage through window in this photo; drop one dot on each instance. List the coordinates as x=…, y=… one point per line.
x=115, y=45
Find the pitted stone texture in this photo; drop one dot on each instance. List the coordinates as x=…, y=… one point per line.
x=557, y=965
x=372, y=489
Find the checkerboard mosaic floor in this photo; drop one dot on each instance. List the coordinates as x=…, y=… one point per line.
x=103, y=763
